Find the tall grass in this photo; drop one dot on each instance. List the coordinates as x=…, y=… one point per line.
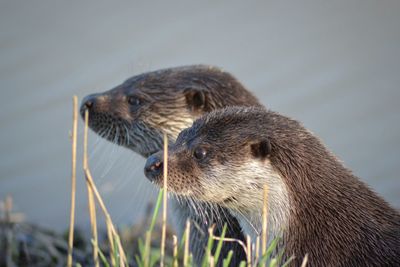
x=165, y=192
x=92, y=205
x=149, y=255
x=73, y=180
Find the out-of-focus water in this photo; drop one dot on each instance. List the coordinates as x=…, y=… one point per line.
x=335, y=66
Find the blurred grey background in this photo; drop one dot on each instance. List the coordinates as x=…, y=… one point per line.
x=334, y=65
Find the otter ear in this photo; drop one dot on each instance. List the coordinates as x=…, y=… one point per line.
x=261, y=149
x=196, y=99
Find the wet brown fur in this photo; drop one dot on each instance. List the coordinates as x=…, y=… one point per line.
x=169, y=101
x=332, y=215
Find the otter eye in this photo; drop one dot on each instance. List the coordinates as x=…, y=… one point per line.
x=134, y=101
x=200, y=153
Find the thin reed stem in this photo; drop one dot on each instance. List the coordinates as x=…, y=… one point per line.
x=73, y=180
x=186, y=250
x=227, y=239
x=92, y=205
x=264, y=221
x=93, y=225
x=248, y=240
x=210, y=243
x=257, y=250
x=212, y=261
x=89, y=178
x=111, y=232
x=111, y=243
x=175, y=253
x=165, y=194
x=305, y=261
x=147, y=249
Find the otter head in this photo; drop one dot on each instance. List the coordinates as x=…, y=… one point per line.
x=225, y=159
x=136, y=113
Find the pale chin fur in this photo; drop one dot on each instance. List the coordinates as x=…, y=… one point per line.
x=247, y=181
x=172, y=127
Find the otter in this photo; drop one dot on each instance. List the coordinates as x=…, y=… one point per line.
x=136, y=113
x=315, y=204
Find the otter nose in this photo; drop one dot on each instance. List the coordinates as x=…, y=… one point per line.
x=88, y=103
x=153, y=167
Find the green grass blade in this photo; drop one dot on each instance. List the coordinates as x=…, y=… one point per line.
x=141, y=247
x=208, y=252
x=182, y=243
x=190, y=261
x=116, y=252
x=155, y=256
x=269, y=251
x=280, y=256
x=102, y=257
x=228, y=259
x=273, y=262
x=139, y=262
x=288, y=261
x=220, y=243
x=156, y=210
x=147, y=249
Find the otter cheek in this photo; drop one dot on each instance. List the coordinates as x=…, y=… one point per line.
x=176, y=178
x=208, y=187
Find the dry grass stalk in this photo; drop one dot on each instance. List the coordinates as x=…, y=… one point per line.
x=265, y=221
x=211, y=236
x=114, y=233
x=212, y=261
x=147, y=251
x=186, y=250
x=73, y=180
x=164, y=217
x=305, y=260
x=110, y=243
x=248, y=252
x=110, y=226
x=227, y=239
x=175, y=253
x=92, y=206
x=257, y=250
x=93, y=226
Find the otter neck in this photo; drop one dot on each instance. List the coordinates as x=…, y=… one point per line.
x=251, y=216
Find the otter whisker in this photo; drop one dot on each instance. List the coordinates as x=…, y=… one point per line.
x=101, y=133
x=198, y=209
x=116, y=134
x=95, y=148
x=127, y=135
x=249, y=222
x=111, y=159
x=107, y=132
x=133, y=137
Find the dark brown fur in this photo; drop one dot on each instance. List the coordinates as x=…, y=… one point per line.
x=169, y=100
x=136, y=113
x=332, y=215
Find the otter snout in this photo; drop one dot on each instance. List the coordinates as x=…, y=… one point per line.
x=154, y=167
x=88, y=103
